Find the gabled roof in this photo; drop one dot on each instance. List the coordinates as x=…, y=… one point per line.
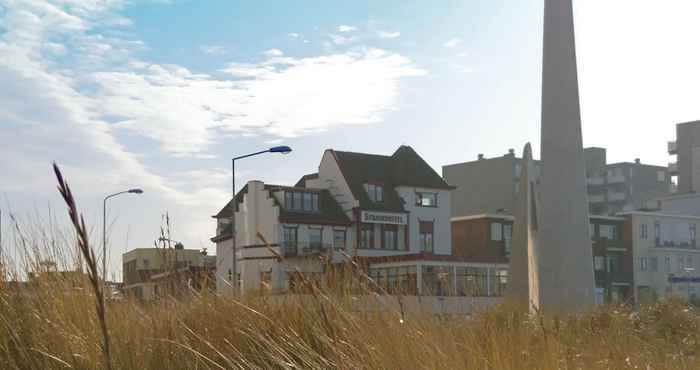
x=302, y=181
x=403, y=168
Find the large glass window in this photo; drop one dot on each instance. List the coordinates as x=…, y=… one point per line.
x=426, y=199
x=307, y=201
x=643, y=264
x=390, y=237
x=301, y=201
x=643, y=231
x=613, y=263
x=599, y=263
x=367, y=237
x=297, y=201
x=426, y=236
x=496, y=231
x=608, y=231
x=315, y=238
x=339, y=239
x=657, y=232
x=437, y=280
x=693, y=233
x=375, y=192
x=289, y=240
x=472, y=281
x=288, y=200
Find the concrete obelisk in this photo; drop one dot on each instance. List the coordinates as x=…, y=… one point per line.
x=524, y=274
x=566, y=280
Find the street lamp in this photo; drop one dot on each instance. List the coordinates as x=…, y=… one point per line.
x=104, y=228
x=277, y=149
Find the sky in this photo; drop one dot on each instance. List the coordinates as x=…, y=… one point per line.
x=161, y=94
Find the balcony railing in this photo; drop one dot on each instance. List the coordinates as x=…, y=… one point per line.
x=673, y=168
x=616, y=178
x=596, y=198
x=597, y=180
x=688, y=244
x=293, y=249
x=672, y=147
x=612, y=197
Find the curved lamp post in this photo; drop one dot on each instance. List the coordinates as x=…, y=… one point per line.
x=277, y=149
x=104, y=228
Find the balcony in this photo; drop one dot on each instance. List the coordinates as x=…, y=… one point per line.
x=616, y=197
x=596, y=180
x=596, y=198
x=672, y=147
x=301, y=249
x=673, y=169
x=686, y=244
x=616, y=178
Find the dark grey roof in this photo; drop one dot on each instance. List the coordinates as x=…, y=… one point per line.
x=403, y=168
x=302, y=181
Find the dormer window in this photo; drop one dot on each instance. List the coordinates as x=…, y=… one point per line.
x=301, y=201
x=426, y=199
x=375, y=192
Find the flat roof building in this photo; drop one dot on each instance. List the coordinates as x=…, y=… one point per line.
x=686, y=148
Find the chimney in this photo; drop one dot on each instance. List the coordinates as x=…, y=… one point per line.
x=481, y=157
x=637, y=161
x=511, y=152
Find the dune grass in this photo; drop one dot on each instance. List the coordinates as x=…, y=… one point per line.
x=55, y=323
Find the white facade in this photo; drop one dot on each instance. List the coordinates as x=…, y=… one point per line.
x=666, y=255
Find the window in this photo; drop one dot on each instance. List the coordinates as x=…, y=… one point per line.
x=661, y=176
x=472, y=281
x=339, y=239
x=693, y=233
x=289, y=240
x=437, y=280
x=613, y=264
x=591, y=229
x=680, y=263
x=599, y=263
x=315, y=238
x=367, y=237
x=426, y=199
x=608, y=231
x=288, y=200
x=657, y=232
x=297, y=201
x=426, y=236
x=643, y=231
x=667, y=263
x=375, y=192
x=390, y=235
x=507, y=237
x=307, y=201
x=301, y=201
x=146, y=264
x=643, y=264
x=689, y=261
x=654, y=264
x=265, y=280
x=496, y=231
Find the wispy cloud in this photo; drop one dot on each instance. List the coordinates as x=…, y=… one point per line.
x=389, y=34
x=273, y=53
x=452, y=42
x=342, y=40
x=212, y=49
x=293, y=35
x=346, y=28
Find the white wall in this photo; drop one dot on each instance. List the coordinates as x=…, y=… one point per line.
x=330, y=177
x=673, y=228
x=442, y=242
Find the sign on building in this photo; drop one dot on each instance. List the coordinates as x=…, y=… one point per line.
x=383, y=218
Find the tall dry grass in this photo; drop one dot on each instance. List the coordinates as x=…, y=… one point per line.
x=52, y=323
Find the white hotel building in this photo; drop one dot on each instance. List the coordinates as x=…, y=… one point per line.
x=391, y=213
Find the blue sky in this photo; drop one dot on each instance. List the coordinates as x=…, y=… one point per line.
x=160, y=94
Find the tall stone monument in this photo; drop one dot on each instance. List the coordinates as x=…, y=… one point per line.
x=555, y=248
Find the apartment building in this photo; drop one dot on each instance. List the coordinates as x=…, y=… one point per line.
x=490, y=185
x=666, y=255
x=146, y=271
x=686, y=148
x=391, y=213
x=487, y=239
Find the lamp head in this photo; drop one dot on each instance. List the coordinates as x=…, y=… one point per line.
x=135, y=191
x=281, y=149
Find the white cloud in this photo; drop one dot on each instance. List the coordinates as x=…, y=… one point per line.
x=388, y=34
x=452, y=42
x=274, y=53
x=346, y=28
x=213, y=49
x=342, y=40
x=294, y=35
